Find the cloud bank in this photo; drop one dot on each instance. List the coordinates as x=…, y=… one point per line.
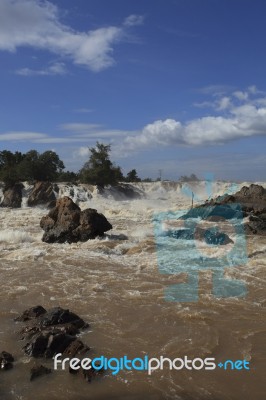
x=241, y=114
x=233, y=116
x=36, y=24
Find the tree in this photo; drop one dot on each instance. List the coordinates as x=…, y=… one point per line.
x=67, y=176
x=147, y=180
x=99, y=169
x=50, y=165
x=15, y=167
x=9, y=167
x=132, y=176
x=191, y=178
x=29, y=167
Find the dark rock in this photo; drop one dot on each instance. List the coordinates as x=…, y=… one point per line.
x=42, y=194
x=37, y=346
x=87, y=374
x=256, y=224
x=247, y=202
x=39, y=370
x=252, y=200
x=210, y=236
x=47, y=344
x=51, y=332
x=6, y=356
x=214, y=212
x=13, y=196
x=58, y=315
x=31, y=313
x=128, y=191
x=67, y=223
x=6, y=360
x=76, y=347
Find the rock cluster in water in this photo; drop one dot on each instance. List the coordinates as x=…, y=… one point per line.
x=49, y=332
x=67, y=223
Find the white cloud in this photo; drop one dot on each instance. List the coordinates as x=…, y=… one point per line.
x=242, y=120
x=79, y=128
x=82, y=152
x=36, y=24
x=22, y=136
x=241, y=95
x=54, y=69
x=223, y=103
x=134, y=20
x=237, y=119
x=215, y=90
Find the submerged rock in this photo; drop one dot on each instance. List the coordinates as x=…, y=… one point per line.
x=42, y=194
x=38, y=371
x=6, y=360
x=13, y=196
x=31, y=313
x=210, y=236
x=212, y=212
x=87, y=374
x=67, y=223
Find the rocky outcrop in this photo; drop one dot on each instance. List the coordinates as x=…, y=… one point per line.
x=248, y=202
x=67, y=223
x=13, y=196
x=128, y=191
x=42, y=194
x=252, y=200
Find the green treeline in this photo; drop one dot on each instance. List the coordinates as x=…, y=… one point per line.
x=47, y=166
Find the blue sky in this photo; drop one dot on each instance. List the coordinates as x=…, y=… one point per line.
x=177, y=85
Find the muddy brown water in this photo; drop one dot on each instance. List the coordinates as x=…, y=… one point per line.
x=116, y=286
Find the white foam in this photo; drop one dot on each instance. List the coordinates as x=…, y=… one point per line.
x=15, y=236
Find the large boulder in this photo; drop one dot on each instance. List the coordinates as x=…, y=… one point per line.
x=13, y=196
x=42, y=194
x=67, y=223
